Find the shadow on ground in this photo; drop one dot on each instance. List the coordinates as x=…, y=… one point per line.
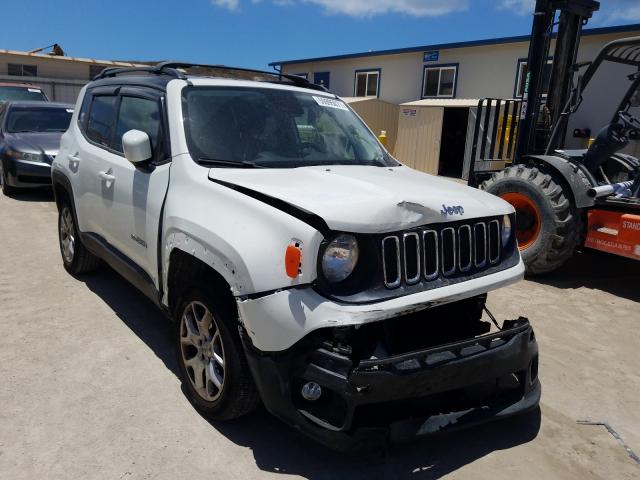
x=616, y=275
x=278, y=448
x=43, y=194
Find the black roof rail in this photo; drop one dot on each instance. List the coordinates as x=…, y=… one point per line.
x=173, y=69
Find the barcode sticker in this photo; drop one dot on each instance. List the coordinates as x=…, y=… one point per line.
x=34, y=90
x=330, y=103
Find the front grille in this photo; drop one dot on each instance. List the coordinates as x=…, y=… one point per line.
x=440, y=251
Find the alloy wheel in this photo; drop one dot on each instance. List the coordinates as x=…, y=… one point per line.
x=202, y=351
x=67, y=235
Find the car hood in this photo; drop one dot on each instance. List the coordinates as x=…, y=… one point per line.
x=32, y=142
x=366, y=199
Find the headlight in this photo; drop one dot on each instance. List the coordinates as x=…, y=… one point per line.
x=506, y=230
x=340, y=258
x=31, y=157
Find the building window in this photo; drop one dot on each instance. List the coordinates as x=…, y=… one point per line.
x=22, y=70
x=521, y=77
x=367, y=83
x=440, y=81
x=95, y=70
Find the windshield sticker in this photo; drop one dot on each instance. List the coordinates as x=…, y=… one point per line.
x=330, y=103
x=34, y=90
x=69, y=110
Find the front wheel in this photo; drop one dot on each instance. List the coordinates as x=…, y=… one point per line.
x=6, y=189
x=547, y=224
x=211, y=360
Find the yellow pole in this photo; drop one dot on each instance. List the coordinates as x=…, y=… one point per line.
x=383, y=137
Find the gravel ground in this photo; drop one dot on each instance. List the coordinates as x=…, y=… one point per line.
x=89, y=387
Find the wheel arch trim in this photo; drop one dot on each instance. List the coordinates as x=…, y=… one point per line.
x=570, y=176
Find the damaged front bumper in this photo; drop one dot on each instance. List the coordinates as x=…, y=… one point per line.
x=400, y=397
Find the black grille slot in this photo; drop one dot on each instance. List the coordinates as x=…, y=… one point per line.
x=480, y=244
x=448, y=247
x=465, y=249
x=431, y=254
x=391, y=261
x=411, y=257
x=494, y=241
x=440, y=250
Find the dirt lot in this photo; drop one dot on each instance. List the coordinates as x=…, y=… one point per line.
x=89, y=389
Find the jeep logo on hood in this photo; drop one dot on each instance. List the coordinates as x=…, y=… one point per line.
x=454, y=210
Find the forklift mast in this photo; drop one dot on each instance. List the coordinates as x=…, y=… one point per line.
x=533, y=134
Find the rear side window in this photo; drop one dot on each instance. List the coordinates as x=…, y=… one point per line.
x=101, y=119
x=137, y=114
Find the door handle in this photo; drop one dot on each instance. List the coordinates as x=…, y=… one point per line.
x=107, y=177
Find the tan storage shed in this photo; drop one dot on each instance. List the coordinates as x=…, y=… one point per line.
x=434, y=135
x=378, y=115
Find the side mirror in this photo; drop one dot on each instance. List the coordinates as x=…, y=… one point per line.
x=136, y=146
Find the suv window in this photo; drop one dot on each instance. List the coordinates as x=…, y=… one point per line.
x=137, y=114
x=101, y=116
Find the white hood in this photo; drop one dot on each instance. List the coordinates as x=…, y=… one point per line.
x=366, y=199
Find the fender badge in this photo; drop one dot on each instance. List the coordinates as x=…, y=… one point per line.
x=455, y=210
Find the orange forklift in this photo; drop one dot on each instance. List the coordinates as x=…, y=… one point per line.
x=563, y=199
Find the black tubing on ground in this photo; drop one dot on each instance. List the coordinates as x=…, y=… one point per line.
x=560, y=230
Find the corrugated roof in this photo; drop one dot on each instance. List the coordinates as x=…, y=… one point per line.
x=443, y=102
x=92, y=61
x=445, y=46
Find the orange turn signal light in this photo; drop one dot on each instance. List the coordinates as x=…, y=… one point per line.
x=292, y=258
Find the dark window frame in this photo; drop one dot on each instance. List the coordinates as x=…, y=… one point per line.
x=440, y=66
x=519, y=64
x=367, y=71
x=21, y=67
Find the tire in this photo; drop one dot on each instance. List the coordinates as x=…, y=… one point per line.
x=6, y=189
x=75, y=257
x=211, y=351
x=547, y=224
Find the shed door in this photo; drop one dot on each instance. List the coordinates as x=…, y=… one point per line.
x=419, y=133
x=322, y=78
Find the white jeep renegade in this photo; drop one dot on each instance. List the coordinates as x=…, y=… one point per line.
x=304, y=267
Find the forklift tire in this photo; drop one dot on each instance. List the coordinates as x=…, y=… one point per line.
x=547, y=224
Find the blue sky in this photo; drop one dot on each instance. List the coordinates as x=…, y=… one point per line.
x=252, y=33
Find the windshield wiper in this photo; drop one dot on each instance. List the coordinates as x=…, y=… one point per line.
x=216, y=162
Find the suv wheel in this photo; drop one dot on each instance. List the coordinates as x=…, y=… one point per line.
x=75, y=257
x=212, y=364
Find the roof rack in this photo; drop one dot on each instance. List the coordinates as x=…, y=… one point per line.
x=174, y=69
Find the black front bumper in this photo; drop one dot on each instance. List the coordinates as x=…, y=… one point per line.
x=26, y=174
x=400, y=398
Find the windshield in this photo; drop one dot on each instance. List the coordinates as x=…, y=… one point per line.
x=21, y=93
x=266, y=127
x=39, y=119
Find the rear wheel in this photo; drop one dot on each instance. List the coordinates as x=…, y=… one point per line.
x=75, y=257
x=547, y=224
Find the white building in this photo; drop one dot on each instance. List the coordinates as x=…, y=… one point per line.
x=60, y=77
x=466, y=70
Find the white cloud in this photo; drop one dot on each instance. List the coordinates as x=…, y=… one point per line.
x=228, y=4
x=619, y=10
x=611, y=11
x=367, y=8
x=417, y=8
x=520, y=7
